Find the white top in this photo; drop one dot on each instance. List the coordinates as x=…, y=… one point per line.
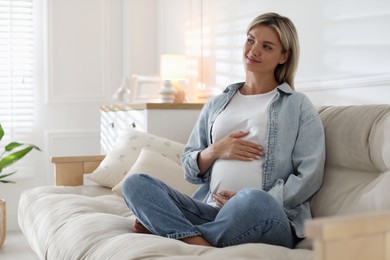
x=243, y=113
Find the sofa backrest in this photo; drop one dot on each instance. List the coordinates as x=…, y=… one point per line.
x=357, y=168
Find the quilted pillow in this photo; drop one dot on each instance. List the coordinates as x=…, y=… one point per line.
x=125, y=152
x=160, y=167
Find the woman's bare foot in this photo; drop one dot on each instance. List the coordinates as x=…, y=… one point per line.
x=139, y=228
x=197, y=240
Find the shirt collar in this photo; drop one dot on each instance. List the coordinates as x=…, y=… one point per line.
x=284, y=87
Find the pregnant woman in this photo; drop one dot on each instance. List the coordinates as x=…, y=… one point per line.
x=257, y=150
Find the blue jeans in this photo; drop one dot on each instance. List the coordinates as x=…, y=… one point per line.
x=251, y=216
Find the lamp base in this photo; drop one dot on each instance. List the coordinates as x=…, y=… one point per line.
x=167, y=92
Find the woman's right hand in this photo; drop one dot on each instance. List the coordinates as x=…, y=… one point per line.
x=231, y=147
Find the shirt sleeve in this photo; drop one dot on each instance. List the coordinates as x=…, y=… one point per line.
x=197, y=142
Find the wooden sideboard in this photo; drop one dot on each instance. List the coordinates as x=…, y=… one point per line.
x=170, y=120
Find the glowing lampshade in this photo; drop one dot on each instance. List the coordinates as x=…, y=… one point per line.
x=173, y=66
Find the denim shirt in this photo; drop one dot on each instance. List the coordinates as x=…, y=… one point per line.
x=294, y=156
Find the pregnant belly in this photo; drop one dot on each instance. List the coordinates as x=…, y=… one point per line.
x=235, y=175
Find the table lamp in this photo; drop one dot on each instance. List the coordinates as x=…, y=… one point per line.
x=173, y=67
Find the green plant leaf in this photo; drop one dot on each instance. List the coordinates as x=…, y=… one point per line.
x=5, y=181
x=12, y=145
x=7, y=158
x=6, y=175
x=13, y=157
x=35, y=147
x=1, y=132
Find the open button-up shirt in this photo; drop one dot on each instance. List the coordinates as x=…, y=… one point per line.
x=294, y=156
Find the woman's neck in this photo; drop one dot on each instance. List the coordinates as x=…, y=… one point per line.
x=258, y=85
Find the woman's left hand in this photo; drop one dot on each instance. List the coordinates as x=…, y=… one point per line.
x=221, y=197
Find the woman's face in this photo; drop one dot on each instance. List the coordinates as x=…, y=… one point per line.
x=263, y=50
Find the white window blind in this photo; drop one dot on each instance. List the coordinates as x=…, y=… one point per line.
x=16, y=69
x=224, y=26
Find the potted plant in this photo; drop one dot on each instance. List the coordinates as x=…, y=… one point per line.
x=13, y=152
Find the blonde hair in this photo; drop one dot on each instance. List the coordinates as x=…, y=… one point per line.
x=288, y=37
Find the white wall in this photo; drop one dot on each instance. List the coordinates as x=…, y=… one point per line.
x=140, y=37
x=172, y=21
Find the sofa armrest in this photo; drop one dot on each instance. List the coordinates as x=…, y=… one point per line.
x=69, y=170
x=362, y=236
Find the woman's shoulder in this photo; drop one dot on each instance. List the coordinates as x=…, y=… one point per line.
x=301, y=98
x=225, y=94
x=233, y=87
x=295, y=101
x=293, y=95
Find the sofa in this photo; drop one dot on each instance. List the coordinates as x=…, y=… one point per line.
x=83, y=216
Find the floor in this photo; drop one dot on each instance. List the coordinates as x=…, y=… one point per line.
x=16, y=247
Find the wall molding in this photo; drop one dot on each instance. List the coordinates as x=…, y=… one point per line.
x=77, y=135
x=352, y=82
x=101, y=92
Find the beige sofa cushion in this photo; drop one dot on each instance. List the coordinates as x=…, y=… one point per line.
x=356, y=137
x=90, y=222
x=357, y=169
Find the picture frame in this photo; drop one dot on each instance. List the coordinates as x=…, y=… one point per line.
x=144, y=88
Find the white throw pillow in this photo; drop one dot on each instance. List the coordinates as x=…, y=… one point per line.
x=125, y=152
x=162, y=168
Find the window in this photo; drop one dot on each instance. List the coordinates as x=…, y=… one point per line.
x=16, y=69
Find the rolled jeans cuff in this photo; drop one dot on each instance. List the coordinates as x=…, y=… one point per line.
x=181, y=235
